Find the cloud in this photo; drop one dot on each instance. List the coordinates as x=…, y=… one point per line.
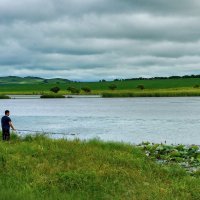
x=93, y=39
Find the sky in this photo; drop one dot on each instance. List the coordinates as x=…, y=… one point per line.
x=90, y=40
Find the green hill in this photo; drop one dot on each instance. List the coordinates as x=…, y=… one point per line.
x=29, y=80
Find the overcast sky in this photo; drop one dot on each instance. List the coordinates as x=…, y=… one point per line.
x=96, y=39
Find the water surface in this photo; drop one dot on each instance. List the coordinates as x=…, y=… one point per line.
x=174, y=120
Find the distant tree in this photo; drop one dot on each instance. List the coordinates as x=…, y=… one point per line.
x=102, y=81
x=45, y=81
x=112, y=87
x=55, y=89
x=73, y=90
x=69, y=88
x=140, y=87
x=196, y=86
x=175, y=77
x=86, y=89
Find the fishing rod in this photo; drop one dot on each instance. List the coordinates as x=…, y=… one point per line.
x=46, y=133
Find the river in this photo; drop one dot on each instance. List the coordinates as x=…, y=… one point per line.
x=133, y=120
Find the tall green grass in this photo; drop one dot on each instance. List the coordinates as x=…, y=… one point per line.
x=152, y=93
x=36, y=167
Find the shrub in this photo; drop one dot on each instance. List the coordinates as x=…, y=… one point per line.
x=86, y=89
x=73, y=90
x=112, y=87
x=196, y=86
x=140, y=87
x=55, y=89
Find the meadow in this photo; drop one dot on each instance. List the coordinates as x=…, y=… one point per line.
x=128, y=88
x=36, y=167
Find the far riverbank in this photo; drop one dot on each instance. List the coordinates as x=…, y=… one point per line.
x=39, y=96
x=170, y=92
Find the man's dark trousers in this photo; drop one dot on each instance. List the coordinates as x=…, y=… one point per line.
x=6, y=134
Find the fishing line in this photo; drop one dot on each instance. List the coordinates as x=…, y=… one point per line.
x=45, y=133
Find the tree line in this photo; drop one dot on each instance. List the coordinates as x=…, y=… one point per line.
x=88, y=90
x=155, y=78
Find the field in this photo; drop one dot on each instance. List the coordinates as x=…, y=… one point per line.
x=41, y=168
x=40, y=86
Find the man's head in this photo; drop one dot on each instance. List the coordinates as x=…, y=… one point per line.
x=7, y=112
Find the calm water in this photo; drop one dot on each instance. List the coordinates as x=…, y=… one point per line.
x=174, y=120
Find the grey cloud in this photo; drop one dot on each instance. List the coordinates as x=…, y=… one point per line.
x=35, y=10
x=95, y=39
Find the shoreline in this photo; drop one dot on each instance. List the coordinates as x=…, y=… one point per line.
x=28, y=96
x=107, y=95
x=42, y=168
x=127, y=93
x=185, y=155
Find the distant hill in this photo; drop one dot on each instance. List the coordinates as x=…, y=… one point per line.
x=39, y=80
x=30, y=80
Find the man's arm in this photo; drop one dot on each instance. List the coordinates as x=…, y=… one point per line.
x=11, y=125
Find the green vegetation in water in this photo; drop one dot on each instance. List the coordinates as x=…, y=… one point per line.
x=4, y=97
x=36, y=167
x=49, y=96
x=186, y=156
x=153, y=93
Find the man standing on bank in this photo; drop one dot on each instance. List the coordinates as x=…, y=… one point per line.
x=6, y=123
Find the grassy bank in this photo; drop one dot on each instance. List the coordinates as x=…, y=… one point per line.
x=181, y=92
x=173, y=92
x=41, y=168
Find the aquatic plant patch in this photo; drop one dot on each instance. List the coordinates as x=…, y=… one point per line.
x=50, y=96
x=186, y=156
x=4, y=97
